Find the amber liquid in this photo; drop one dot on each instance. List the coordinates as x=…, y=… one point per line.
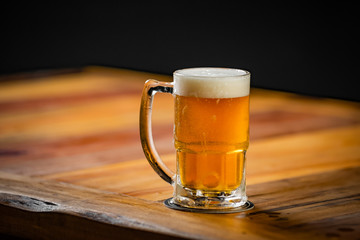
x=211, y=137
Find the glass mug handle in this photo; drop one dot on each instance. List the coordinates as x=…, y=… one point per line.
x=151, y=87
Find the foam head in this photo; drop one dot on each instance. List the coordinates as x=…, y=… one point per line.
x=212, y=82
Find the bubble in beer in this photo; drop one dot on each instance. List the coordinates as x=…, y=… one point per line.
x=211, y=180
x=212, y=82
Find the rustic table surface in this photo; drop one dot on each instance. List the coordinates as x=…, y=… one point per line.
x=72, y=167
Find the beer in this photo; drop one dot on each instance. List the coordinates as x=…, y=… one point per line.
x=211, y=130
x=210, y=138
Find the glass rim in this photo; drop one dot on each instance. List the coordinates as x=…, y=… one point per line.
x=237, y=72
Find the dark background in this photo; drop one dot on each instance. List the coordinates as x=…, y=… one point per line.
x=303, y=48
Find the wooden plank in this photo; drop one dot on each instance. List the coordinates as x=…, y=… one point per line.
x=291, y=208
x=77, y=85
x=268, y=160
x=88, y=135
x=71, y=164
x=60, y=213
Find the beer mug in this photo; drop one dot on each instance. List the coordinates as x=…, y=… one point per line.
x=211, y=137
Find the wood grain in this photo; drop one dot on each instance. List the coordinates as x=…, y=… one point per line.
x=270, y=164
x=71, y=163
x=308, y=206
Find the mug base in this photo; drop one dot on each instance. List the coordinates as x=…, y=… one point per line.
x=171, y=204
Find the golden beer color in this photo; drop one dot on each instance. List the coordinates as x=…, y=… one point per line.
x=211, y=136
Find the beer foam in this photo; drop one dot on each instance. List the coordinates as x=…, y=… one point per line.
x=212, y=82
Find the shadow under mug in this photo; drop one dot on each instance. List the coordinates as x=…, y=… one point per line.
x=211, y=137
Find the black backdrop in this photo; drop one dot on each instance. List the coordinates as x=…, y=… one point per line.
x=308, y=49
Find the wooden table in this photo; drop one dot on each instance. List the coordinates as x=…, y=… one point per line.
x=72, y=167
